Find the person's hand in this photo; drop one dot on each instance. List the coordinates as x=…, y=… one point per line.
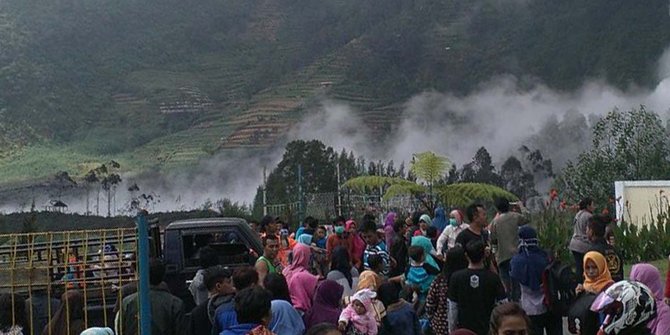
x=579, y=289
x=342, y=326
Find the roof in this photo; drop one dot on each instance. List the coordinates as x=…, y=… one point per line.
x=205, y=223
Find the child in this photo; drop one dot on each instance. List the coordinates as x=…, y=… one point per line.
x=358, y=317
x=400, y=316
x=320, y=237
x=419, y=276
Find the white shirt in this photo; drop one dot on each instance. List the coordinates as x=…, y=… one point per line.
x=449, y=235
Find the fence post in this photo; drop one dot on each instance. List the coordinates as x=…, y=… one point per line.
x=143, y=262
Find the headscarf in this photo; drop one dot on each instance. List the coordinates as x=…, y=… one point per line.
x=98, y=331
x=390, y=219
x=428, y=250
x=339, y=261
x=528, y=265
x=285, y=319
x=326, y=307
x=365, y=323
x=357, y=243
x=305, y=239
x=649, y=275
x=302, y=288
x=440, y=220
x=426, y=218
x=348, y=224
x=369, y=280
x=603, y=279
x=300, y=263
x=365, y=296
x=457, y=215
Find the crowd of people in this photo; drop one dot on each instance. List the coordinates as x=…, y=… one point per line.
x=426, y=273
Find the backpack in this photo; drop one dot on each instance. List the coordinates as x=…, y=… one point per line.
x=559, y=283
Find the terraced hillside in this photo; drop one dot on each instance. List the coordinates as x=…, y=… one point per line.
x=163, y=85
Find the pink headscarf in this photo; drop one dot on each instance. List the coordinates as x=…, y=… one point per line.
x=358, y=245
x=300, y=263
x=348, y=224
x=365, y=323
x=302, y=288
x=649, y=275
x=457, y=215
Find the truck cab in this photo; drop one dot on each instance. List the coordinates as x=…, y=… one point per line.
x=233, y=238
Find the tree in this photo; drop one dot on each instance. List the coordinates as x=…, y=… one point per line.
x=481, y=169
x=90, y=178
x=426, y=166
x=63, y=182
x=429, y=168
x=631, y=145
x=517, y=180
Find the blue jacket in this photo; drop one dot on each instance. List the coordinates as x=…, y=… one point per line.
x=240, y=329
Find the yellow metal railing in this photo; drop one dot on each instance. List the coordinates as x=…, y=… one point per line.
x=38, y=268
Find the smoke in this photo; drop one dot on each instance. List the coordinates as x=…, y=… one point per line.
x=500, y=115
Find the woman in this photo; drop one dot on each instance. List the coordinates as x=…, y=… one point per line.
x=12, y=315
x=424, y=222
x=277, y=285
x=440, y=220
x=527, y=267
x=69, y=318
x=509, y=318
x=428, y=249
x=357, y=244
x=597, y=279
x=447, y=239
x=327, y=304
x=302, y=287
x=342, y=272
x=437, y=306
x=285, y=319
x=300, y=263
x=597, y=276
x=649, y=275
x=388, y=228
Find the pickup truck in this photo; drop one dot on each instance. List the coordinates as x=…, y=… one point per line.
x=237, y=244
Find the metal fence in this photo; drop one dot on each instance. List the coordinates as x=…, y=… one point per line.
x=85, y=268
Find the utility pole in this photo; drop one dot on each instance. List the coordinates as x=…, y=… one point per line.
x=339, y=191
x=265, y=193
x=301, y=198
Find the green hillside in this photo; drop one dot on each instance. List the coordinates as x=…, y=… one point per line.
x=160, y=85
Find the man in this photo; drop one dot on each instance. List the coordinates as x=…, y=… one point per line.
x=268, y=263
x=595, y=231
x=476, y=214
x=253, y=307
x=243, y=277
x=398, y=249
x=474, y=292
x=167, y=311
x=221, y=293
x=505, y=241
x=208, y=258
x=374, y=247
x=579, y=244
x=268, y=226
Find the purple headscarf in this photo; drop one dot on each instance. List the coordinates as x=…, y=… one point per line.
x=388, y=229
x=649, y=275
x=326, y=306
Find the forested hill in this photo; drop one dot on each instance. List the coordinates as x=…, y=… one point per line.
x=177, y=80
